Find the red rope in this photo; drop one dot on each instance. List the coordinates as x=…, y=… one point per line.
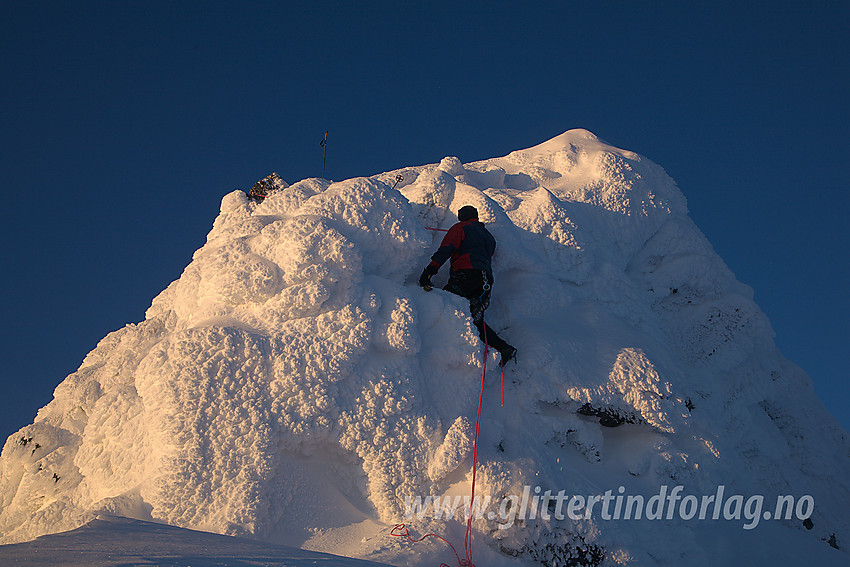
x=400, y=530
x=468, y=540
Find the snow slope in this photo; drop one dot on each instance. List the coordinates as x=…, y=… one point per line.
x=112, y=542
x=295, y=385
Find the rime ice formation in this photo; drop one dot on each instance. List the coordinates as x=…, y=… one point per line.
x=295, y=385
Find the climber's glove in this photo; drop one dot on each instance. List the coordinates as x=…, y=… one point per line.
x=425, y=278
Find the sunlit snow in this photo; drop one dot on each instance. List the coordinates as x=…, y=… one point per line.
x=296, y=386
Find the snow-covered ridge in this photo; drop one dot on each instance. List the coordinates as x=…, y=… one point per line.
x=295, y=384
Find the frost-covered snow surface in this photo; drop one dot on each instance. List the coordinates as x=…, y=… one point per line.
x=121, y=542
x=296, y=386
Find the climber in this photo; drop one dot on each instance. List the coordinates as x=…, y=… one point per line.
x=470, y=247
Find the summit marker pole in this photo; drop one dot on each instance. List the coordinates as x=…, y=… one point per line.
x=324, y=145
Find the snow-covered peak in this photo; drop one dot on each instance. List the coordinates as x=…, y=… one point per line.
x=570, y=139
x=296, y=385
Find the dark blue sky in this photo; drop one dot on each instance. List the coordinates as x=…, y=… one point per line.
x=123, y=124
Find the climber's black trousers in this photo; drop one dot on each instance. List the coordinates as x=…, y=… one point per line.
x=471, y=285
